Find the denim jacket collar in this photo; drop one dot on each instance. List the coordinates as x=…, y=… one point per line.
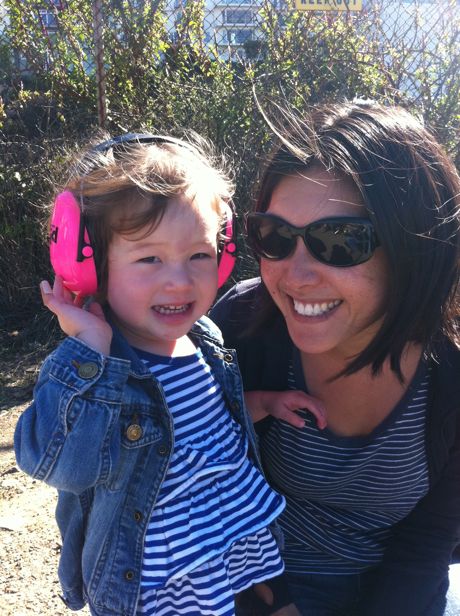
x=202, y=330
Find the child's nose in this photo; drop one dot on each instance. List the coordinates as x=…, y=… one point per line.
x=179, y=277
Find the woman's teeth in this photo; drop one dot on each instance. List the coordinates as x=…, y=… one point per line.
x=314, y=310
x=171, y=309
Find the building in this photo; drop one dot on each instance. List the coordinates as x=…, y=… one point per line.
x=231, y=26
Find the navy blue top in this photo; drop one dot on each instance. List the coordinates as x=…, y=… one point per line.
x=412, y=575
x=344, y=494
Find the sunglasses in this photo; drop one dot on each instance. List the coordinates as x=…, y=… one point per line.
x=341, y=241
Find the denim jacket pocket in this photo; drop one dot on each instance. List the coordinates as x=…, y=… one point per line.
x=139, y=427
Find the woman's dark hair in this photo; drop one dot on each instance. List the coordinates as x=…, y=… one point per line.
x=411, y=191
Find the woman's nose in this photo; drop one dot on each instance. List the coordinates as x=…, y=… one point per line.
x=301, y=267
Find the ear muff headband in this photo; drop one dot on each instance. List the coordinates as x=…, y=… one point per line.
x=71, y=252
x=137, y=138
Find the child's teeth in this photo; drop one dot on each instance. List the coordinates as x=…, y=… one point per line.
x=171, y=309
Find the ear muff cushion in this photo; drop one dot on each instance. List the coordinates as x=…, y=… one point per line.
x=71, y=252
x=227, y=252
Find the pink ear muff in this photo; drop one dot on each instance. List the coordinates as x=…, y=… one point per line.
x=227, y=256
x=71, y=252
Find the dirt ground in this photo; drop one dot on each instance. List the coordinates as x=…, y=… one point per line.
x=29, y=540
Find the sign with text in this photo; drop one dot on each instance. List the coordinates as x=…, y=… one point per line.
x=329, y=5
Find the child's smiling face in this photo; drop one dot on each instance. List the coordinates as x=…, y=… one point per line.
x=161, y=282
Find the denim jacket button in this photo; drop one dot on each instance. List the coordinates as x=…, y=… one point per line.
x=87, y=370
x=137, y=516
x=162, y=450
x=129, y=575
x=133, y=432
x=228, y=357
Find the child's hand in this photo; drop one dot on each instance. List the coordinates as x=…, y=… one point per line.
x=283, y=405
x=89, y=325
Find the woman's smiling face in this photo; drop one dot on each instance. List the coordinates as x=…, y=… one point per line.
x=327, y=309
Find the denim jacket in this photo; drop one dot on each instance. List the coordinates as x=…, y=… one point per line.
x=99, y=430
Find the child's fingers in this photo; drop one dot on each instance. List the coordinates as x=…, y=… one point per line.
x=301, y=400
x=45, y=287
x=284, y=405
x=46, y=292
x=58, y=287
x=79, y=301
x=320, y=417
x=60, y=291
x=96, y=309
x=50, y=297
x=288, y=415
x=57, y=297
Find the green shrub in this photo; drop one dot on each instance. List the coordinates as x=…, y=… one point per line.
x=163, y=83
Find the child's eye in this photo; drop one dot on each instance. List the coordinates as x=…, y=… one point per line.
x=149, y=260
x=202, y=255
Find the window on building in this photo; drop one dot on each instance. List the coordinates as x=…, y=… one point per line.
x=239, y=36
x=237, y=2
x=238, y=16
x=48, y=18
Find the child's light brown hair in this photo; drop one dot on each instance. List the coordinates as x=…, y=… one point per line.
x=127, y=187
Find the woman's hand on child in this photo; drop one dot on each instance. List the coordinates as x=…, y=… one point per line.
x=259, y=600
x=284, y=406
x=88, y=325
x=265, y=595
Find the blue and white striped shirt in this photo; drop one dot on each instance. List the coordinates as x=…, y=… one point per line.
x=207, y=538
x=344, y=494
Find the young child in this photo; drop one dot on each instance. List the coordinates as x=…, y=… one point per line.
x=138, y=416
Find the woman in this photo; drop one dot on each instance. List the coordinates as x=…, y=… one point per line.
x=357, y=230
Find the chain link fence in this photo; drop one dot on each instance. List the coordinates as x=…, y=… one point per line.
x=235, y=25
x=233, y=28
x=67, y=65
x=413, y=38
